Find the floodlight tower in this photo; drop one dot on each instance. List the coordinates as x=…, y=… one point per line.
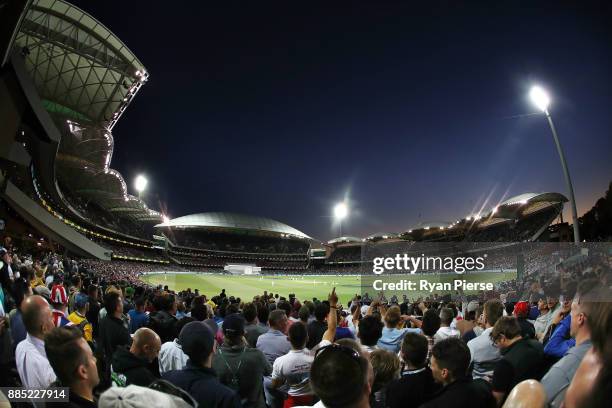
x=541, y=100
x=140, y=184
x=340, y=213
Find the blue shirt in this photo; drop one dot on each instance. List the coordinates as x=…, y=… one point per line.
x=559, y=343
x=137, y=320
x=391, y=339
x=273, y=344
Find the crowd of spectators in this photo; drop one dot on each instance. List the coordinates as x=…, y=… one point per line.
x=216, y=241
x=95, y=328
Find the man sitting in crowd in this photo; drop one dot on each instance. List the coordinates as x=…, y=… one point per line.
x=484, y=354
x=59, y=303
x=171, y=355
x=30, y=356
x=138, y=317
x=416, y=384
x=112, y=332
x=370, y=331
x=130, y=366
x=317, y=327
x=560, y=375
x=75, y=365
x=522, y=358
x=450, y=359
x=238, y=366
x=341, y=376
x=252, y=330
x=445, y=331
x=81, y=303
x=198, y=378
x=293, y=368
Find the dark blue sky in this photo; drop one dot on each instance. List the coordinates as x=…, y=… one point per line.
x=279, y=110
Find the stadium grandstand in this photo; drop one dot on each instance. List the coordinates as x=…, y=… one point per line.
x=67, y=80
x=78, y=313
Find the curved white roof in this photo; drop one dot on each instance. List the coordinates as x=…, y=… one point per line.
x=340, y=240
x=232, y=221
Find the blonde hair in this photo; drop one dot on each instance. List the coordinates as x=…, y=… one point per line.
x=386, y=367
x=393, y=316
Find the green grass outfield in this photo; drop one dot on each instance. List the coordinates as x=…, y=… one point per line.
x=304, y=287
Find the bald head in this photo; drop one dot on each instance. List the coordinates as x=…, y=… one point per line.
x=37, y=316
x=146, y=344
x=526, y=394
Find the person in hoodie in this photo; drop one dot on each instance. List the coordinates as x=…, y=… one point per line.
x=393, y=333
x=130, y=365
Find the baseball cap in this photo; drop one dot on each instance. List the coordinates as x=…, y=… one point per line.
x=58, y=295
x=233, y=324
x=134, y=396
x=196, y=340
x=80, y=300
x=521, y=309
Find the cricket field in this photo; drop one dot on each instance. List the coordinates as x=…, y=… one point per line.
x=303, y=286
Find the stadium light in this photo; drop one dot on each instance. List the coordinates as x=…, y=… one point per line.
x=340, y=213
x=540, y=98
x=140, y=184
x=165, y=219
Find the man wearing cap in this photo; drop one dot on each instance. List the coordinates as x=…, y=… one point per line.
x=198, y=378
x=59, y=301
x=240, y=367
x=521, y=311
x=81, y=303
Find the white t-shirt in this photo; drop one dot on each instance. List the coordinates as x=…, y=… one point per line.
x=294, y=369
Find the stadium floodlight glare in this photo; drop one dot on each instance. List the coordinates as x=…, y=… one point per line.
x=140, y=184
x=340, y=211
x=540, y=98
x=165, y=219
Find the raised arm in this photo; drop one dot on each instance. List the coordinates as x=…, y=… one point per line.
x=332, y=318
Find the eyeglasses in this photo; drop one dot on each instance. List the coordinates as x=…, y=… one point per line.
x=351, y=352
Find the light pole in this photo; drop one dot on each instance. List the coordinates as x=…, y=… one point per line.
x=140, y=184
x=340, y=213
x=541, y=99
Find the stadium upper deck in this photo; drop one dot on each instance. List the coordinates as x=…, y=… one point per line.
x=66, y=81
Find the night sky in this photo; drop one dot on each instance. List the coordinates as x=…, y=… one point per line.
x=416, y=115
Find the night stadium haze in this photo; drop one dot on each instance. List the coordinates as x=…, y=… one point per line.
x=281, y=111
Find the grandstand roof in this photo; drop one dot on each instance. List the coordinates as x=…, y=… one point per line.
x=79, y=66
x=431, y=225
x=86, y=77
x=382, y=235
x=341, y=240
x=525, y=204
x=232, y=221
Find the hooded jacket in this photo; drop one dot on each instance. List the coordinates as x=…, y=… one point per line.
x=128, y=369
